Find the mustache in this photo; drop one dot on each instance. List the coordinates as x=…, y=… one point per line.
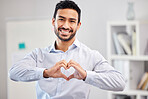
x=70, y=30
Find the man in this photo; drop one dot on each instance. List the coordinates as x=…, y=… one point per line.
x=65, y=69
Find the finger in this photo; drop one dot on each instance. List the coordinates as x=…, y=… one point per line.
x=76, y=66
x=64, y=62
x=64, y=76
x=68, y=65
x=80, y=70
x=63, y=65
x=71, y=76
x=71, y=63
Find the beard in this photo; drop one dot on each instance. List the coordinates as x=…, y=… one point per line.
x=64, y=39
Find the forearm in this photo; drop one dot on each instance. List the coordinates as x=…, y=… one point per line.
x=107, y=80
x=23, y=72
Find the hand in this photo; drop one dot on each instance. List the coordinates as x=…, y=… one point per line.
x=55, y=71
x=80, y=73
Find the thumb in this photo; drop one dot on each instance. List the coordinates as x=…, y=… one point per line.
x=63, y=76
x=70, y=77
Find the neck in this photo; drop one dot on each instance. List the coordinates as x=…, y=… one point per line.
x=63, y=45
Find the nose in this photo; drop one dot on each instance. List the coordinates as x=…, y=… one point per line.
x=66, y=25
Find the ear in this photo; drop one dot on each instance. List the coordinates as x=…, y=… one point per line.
x=79, y=24
x=53, y=21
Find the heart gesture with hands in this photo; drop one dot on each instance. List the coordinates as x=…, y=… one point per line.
x=80, y=73
x=55, y=71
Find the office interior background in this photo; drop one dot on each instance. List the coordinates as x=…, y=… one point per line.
x=93, y=31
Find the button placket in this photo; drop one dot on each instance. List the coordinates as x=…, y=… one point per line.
x=61, y=80
x=63, y=56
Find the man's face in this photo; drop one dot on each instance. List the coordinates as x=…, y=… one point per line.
x=66, y=24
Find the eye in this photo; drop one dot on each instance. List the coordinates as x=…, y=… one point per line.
x=61, y=19
x=72, y=21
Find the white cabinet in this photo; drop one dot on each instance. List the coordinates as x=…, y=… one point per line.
x=127, y=54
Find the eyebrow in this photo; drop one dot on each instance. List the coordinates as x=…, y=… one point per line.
x=65, y=18
x=62, y=17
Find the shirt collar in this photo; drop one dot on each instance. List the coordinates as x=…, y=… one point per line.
x=76, y=43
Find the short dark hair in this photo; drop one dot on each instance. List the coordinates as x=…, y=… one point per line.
x=67, y=4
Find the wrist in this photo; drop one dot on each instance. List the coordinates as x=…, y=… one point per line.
x=84, y=79
x=85, y=76
x=45, y=73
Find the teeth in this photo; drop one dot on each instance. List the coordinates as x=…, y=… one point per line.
x=65, y=31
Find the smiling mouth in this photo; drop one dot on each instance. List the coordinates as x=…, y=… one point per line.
x=65, y=32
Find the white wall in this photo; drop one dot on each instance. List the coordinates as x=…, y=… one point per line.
x=95, y=14
x=35, y=33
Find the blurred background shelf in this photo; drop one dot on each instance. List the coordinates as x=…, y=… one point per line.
x=129, y=57
x=126, y=46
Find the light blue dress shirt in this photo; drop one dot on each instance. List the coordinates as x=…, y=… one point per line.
x=99, y=72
